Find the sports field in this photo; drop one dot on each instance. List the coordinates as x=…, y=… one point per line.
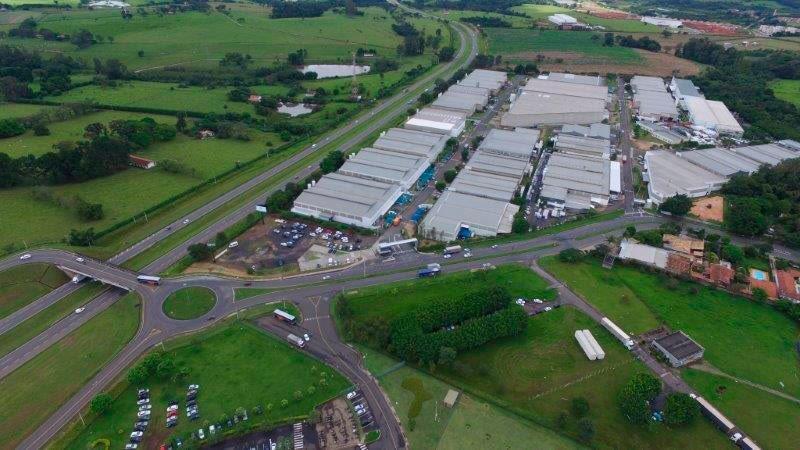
x=719, y=321
x=201, y=40
x=23, y=284
x=36, y=390
x=788, y=90
x=236, y=366
x=526, y=43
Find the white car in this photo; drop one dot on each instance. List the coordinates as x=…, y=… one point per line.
x=494, y=246
x=25, y=256
x=547, y=308
x=520, y=302
x=185, y=221
x=143, y=401
x=79, y=259
x=306, y=337
x=80, y=310
x=172, y=408
x=131, y=446
x=448, y=256
x=537, y=300
x=233, y=244
x=350, y=395
x=200, y=434
x=194, y=387
x=326, y=277
x=212, y=429
x=143, y=415
x=136, y=434
x=467, y=255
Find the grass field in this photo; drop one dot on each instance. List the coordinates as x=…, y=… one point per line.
x=16, y=110
x=771, y=421
x=788, y=90
x=471, y=424
x=392, y=299
x=249, y=368
x=515, y=42
x=541, y=12
x=200, y=40
x=717, y=320
x=189, y=303
x=23, y=284
x=37, y=389
x=31, y=328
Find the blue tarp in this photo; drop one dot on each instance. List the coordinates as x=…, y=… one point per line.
x=426, y=176
x=417, y=216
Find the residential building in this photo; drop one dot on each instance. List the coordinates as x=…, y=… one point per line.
x=141, y=162
x=789, y=283
x=686, y=245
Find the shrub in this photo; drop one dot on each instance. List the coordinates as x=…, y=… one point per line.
x=681, y=409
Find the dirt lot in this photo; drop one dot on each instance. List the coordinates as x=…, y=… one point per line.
x=654, y=64
x=259, y=250
x=337, y=428
x=709, y=208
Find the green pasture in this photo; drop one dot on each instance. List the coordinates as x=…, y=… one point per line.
x=516, y=42
x=32, y=393
x=719, y=321
x=18, y=110
x=23, y=284
x=788, y=90
x=542, y=12
x=236, y=366
x=516, y=21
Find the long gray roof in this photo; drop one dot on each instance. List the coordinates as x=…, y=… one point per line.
x=655, y=103
x=340, y=194
x=644, y=83
x=482, y=161
x=454, y=209
x=720, y=161
x=566, y=89
x=600, y=130
x=686, y=87
x=384, y=165
x=485, y=78
x=488, y=185
x=518, y=143
x=671, y=175
x=578, y=174
x=597, y=147
x=767, y=153
x=411, y=142
x=576, y=79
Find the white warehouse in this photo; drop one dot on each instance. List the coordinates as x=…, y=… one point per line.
x=439, y=121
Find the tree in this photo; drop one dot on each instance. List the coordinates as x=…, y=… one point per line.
x=579, y=406
x=180, y=124
x=608, y=40
x=733, y=253
x=332, y=162
x=561, y=420
x=570, y=255
x=446, y=53
x=450, y=175
x=760, y=295
x=137, y=375
x=634, y=399
x=447, y=356
x=220, y=239
x=440, y=186
x=678, y=205
x=585, y=429
x=744, y=217
x=101, y=403
x=200, y=252
x=630, y=231
x=81, y=238
x=10, y=127
x=519, y=224
x=681, y=409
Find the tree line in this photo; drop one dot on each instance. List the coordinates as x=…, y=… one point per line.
x=487, y=21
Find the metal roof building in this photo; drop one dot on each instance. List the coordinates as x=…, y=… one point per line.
x=597, y=130
x=562, y=19
x=454, y=211
x=439, y=121
x=583, y=146
x=712, y=114
x=682, y=88
x=647, y=254
x=472, y=90
x=347, y=199
x=655, y=105
x=662, y=21
x=488, y=185
x=412, y=142
x=546, y=102
x=641, y=83
x=506, y=166
x=577, y=79
x=386, y=166
x=671, y=175
x=490, y=79
x=790, y=144
x=576, y=182
x=679, y=348
x=519, y=143
x=767, y=153
x=566, y=88
x=460, y=101
x=721, y=161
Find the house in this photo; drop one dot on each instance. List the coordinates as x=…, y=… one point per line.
x=205, y=134
x=689, y=246
x=142, y=163
x=679, y=349
x=719, y=273
x=254, y=98
x=679, y=263
x=789, y=283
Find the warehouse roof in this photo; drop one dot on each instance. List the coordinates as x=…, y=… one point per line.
x=518, y=143
x=384, y=165
x=488, y=185
x=341, y=194
x=599, y=148
x=679, y=345
x=642, y=83
x=440, y=119
x=482, y=161
x=539, y=103
x=686, y=87
x=576, y=173
x=600, y=130
x=643, y=253
x=472, y=90
x=566, y=89
x=454, y=209
x=767, y=153
x=411, y=142
x=790, y=144
x=485, y=78
x=576, y=79
x=460, y=101
x=655, y=103
x=671, y=175
x=720, y=161
x=704, y=111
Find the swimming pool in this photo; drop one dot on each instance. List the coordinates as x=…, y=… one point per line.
x=759, y=275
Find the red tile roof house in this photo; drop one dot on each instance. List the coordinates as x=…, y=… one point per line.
x=254, y=98
x=720, y=274
x=788, y=283
x=142, y=163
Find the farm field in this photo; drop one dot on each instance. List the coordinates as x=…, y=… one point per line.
x=23, y=284
x=40, y=322
x=37, y=389
x=469, y=423
x=788, y=90
x=517, y=43
x=250, y=368
x=17, y=110
x=717, y=320
x=127, y=192
x=770, y=420
x=392, y=299
x=200, y=40
x=516, y=21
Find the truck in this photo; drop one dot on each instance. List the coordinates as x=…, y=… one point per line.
x=618, y=333
x=722, y=422
x=452, y=249
x=423, y=273
x=296, y=340
x=78, y=278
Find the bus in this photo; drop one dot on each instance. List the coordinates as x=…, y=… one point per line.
x=452, y=249
x=147, y=279
x=284, y=316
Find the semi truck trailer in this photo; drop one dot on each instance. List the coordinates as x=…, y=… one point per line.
x=618, y=333
x=296, y=340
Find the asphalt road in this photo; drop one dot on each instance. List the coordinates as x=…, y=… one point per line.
x=624, y=146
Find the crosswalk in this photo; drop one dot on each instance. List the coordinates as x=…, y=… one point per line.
x=297, y=436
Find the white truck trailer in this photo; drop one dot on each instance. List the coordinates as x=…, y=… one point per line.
x=618, y=333
x=585, y=345
x=593, y=342
x=296, y=340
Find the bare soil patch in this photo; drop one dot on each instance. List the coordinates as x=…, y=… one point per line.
x=653, y=64
x=709, y=208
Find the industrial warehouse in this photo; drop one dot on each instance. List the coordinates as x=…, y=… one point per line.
x=699, y=172
x=371, y=181
x=548, y=102
x=477, y=203
x=651, y=99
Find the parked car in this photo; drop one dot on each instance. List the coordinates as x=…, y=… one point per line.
x=306, y=337
x=520, y=302
x=351, y=395
x=547, y=308
x=79, y=259
x=537, y=300
x=233, y=244
x=143, y=415
x=143, y=401
x=201, y=434
x=131, y=446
